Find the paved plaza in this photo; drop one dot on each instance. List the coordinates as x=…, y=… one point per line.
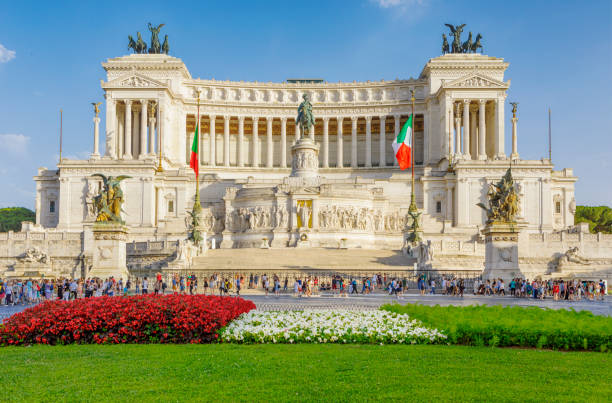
x=374, y=301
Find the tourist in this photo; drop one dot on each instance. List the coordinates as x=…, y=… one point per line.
x=145, y=286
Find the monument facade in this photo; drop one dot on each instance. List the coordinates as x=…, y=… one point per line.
x=323, y=176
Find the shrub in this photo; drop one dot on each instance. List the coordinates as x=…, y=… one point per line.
x=136, y=319
x=515, y=326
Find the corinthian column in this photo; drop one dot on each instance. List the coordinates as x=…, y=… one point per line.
x=255, y=141
x=143, y=129
x=482, y=130
x=382, y=158
x=368, y=156
x=466, y=129
x=213, y=140
x=283, y=143
x=269, y=143
x=95, y=153
x=339, y=146
x=240, y=147
x=514, y=154
x=226, y=140
x=127, y=145
x=396, y=120
x=326, y=142
x=152, y=132
x=111, y=127
x=457, y=130
x=499, y=129
x=354, y=142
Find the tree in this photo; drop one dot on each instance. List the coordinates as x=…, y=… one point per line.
x=11, y=218
x=599, y=218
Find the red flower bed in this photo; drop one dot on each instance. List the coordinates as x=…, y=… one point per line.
x=137, y=319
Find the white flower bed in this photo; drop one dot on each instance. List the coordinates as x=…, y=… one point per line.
x=327, y=326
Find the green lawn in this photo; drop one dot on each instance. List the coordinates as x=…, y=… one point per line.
x=300, y=373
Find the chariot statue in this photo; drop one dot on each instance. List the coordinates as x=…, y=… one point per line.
x=456, y=33
x=445, y=47
x=305, y=118
x=108, y=203
x=503, y=201
x=155, y=46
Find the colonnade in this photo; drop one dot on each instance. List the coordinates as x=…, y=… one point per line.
x=477, y=126
x=135, y=124
x=269, y=147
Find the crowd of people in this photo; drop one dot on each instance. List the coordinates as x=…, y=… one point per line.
x=33, y=291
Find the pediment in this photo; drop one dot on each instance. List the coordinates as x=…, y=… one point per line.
x=134, y=80
x=476, y=80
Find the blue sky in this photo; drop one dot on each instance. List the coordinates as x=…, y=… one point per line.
x=560, y=55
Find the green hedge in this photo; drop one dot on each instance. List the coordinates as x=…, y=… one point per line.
x=482, y=325
x=11, y=218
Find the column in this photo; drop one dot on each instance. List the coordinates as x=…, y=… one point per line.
x=457, y=130
x=354, y=142
x=200, y=142
x=326, y=142
x=466, y=129
x=152, y=132
x=283, y=143
x=255, y=159
x=449, y=126
x=339, y=153
x=127, y=147
x=382, y=158
x=499, y=129
x=213, y=140
x=143, y=128
x=473, y=134
x=160, y=146
x=111, y=127
x=226, y=140
x=96, y=121
x=311, y=132
x=482, y=130
x=240, y=145
x=297, y=131
x=396, y=120
x=514, y=154
x=269, y=143
x=368, y=156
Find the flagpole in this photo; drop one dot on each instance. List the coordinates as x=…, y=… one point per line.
x=61, y=133
x=549, y=137
x=197, y=207
x=413, y=206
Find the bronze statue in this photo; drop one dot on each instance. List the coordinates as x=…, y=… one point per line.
x=467, y=45
x=132, y=44
x=96, y=107
x=165, y=46
x=415, y=228
x=503, y=201
x=305, y=118
x=141, y=45
x=456, y=32
x=194, y=235
x=155, y=46
x=477, y=45
x=514, y=107
x=108, y=203
x=445, y=48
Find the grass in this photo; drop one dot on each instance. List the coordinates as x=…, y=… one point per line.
x=481, y=325
x=229, y=372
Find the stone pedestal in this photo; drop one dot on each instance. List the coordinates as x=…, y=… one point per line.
x=109, y=254
x=305, y=153
x=501, y=251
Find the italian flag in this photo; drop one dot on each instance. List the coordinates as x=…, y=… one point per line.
x=193, y=162
x=402, y=145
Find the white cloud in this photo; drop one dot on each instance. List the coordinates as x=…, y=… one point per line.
x=14, y=143
x=398, y=3
x=6, y=54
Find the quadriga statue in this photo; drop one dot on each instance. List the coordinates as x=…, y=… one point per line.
x=503, y=201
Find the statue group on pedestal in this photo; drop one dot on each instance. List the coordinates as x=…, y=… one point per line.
x=305, y=118
x=140, y=46
x=503, y=200
x=107, y=204
x=469, y=46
